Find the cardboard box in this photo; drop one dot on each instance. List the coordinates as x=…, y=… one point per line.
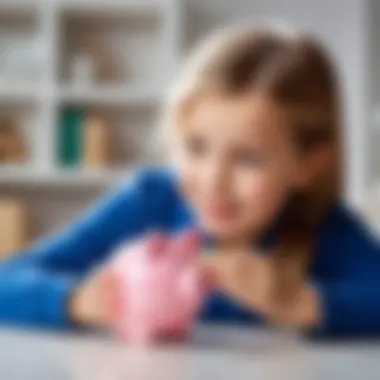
x=96, y=143
x=13, y=225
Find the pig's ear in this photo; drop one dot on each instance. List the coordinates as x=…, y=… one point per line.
x=154, y=245
x=186, y=246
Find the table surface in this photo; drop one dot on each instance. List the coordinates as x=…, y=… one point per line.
x=213, y=353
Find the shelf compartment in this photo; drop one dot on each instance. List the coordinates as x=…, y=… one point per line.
x=132, y=132
x=25, y=120
x=123, y=50
x=49, y=211
x=20, y=9
x=22, y=51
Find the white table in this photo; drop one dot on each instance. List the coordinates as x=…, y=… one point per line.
x=214, y=353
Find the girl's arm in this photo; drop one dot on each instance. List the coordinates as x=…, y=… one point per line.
x=349, y=304
x=35, y=285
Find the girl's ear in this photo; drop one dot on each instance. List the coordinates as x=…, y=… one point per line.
x=312, y=164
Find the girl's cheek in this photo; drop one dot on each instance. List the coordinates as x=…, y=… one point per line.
x=263, y=195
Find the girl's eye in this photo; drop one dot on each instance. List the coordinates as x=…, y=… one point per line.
x=195, y=146
x=247, y=158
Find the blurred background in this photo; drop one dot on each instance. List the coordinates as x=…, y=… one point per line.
x=82, y=83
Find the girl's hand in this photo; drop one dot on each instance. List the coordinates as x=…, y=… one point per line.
x=99, y=302
x=245, y=276
x=96, y=301
x=251, y=279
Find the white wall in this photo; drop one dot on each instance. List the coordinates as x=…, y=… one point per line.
x=343, y=25
x=374, y=134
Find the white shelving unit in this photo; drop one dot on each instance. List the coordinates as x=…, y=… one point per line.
x=143, y=33
x=144, y=38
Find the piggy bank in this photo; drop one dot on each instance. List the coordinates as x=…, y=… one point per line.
x=162, y=287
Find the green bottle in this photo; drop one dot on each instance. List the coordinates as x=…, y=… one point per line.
x=70, y=137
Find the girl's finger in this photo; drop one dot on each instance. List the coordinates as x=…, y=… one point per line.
x=209, y=278
x=116, y=307
x=113, y=295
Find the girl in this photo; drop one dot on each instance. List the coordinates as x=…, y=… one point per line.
x=255, y=127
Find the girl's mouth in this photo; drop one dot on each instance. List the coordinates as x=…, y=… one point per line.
x=221, y=212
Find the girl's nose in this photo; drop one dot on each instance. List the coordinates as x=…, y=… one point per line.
x=216, y=178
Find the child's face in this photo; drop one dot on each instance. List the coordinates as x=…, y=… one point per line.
x=236, y=163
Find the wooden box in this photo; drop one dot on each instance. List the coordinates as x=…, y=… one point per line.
x=13, y=225
x=97, y=145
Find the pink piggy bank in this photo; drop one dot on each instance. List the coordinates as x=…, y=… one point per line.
x=162, y=287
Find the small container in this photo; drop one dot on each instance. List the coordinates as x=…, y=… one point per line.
x=14, y=229
x=97, y=141
x=70, y=137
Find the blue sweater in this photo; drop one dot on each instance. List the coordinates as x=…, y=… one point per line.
x=35, y=285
